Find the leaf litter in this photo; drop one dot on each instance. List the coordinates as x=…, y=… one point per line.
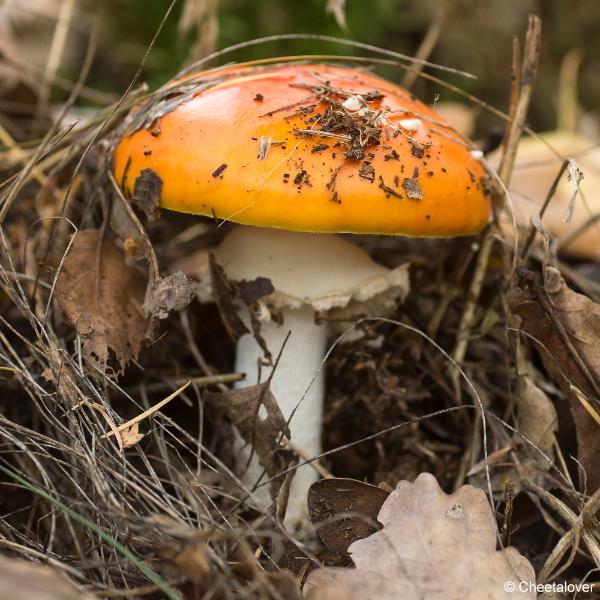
x=432, y=545
x=174, y=500
x=102, y=297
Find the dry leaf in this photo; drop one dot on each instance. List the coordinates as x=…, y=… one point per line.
x=131, y=436
x=331, y=591
x=567, y=326
x=291, y=557
x=173, y=292
x=257, y=416
x=538, y=421
x=146, y=193
x=285, y=586
x=432, y=545
x=224, y=293
x=344, y=511
x=22, y=580
x=102, y=298
x=189, y=559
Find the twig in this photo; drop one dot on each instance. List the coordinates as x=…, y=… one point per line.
x=204, y=380
x=542, y=211
x=321, y=133
x=515, y=129
x=567, y=90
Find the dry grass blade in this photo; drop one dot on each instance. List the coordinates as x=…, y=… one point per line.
x=326, y=38
x=147, y=413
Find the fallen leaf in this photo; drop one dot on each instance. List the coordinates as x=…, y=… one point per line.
x=171, y=293
x=566, y=327
x=332, y=591
x=432, y=545
x=344, y=511
x=131, y=436
x=538, y=421
x=291, y=557
x=537, y=164
x=255, y=289
x=228, y=294
x=102, y=298
x=257, y=416
x=285, y=585
x=188, y=559
x=412, y=188
x=23, y=580
x=224, y=294
x=146, y=193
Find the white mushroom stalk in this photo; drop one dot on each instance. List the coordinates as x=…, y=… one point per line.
x=310, y=273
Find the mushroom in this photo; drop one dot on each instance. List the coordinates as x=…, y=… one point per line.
x=297, y=152
x=312, y=275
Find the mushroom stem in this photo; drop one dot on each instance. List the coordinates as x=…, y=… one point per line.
x=309, y=273
x=300, y=401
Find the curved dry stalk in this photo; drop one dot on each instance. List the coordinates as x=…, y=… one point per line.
x=513, y=134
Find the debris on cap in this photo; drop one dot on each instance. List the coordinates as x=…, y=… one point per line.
x=316, y=126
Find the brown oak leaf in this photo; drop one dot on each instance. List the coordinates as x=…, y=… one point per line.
x=102, y=298
x=23, y=580
x=565, y=327
x=433, y=546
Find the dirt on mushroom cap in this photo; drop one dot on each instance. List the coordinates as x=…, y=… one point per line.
x=298, y=158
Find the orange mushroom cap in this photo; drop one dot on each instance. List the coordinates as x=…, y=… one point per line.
x=305, y=147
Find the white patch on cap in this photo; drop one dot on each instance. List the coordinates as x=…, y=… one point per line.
x=410, y=124
x=478, y=154
x=353, y=103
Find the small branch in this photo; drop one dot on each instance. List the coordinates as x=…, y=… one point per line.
x=201, y=381
x=528, y=75
x=514, y=130
x=542, y=211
